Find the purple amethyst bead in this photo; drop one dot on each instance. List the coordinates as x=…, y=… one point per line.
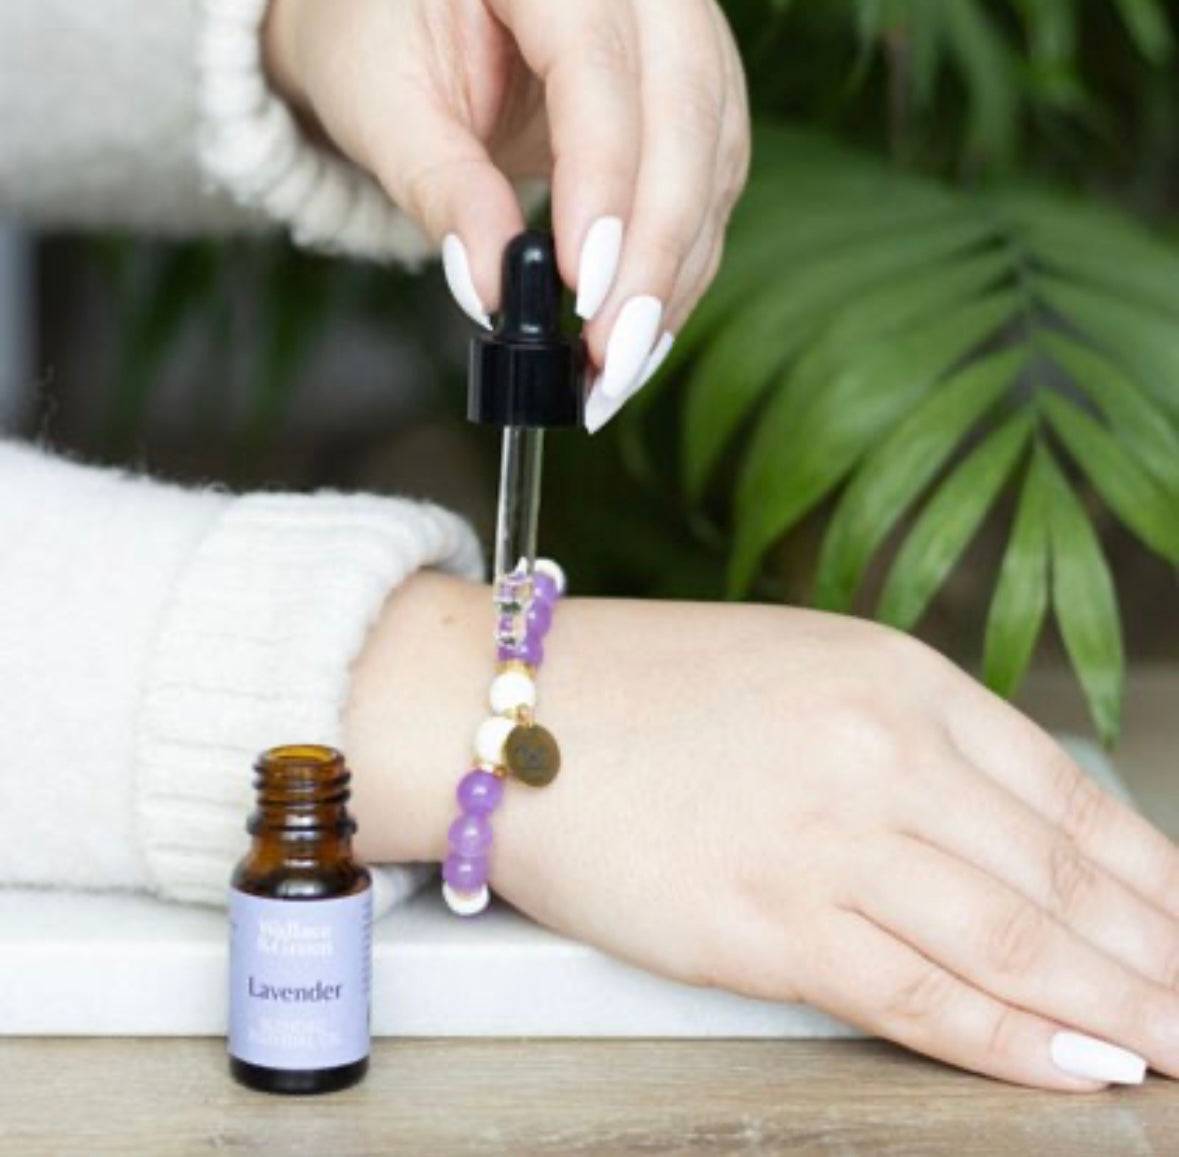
x=544, y=588
x=470, y=836
x=539, y=617
x=479, y=792
x=465, y=874
x=527, y=650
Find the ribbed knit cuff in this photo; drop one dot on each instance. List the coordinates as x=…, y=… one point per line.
x=251, y=146
x=255, y=650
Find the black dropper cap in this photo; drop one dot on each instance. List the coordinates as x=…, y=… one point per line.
x=528, y=372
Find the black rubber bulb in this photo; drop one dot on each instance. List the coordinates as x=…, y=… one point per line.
x=531, y=289
x=528, y=372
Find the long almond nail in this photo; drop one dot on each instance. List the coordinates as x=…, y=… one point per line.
x=458, y=276
x=599, y=409
x=598, y=264
x=657, y=358
x=630, y=345
x=1096, y=1060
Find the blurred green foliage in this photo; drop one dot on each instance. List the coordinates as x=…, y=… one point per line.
x=940, y=303
x=949, y=296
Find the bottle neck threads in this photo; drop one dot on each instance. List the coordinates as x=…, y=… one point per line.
x=302, y=795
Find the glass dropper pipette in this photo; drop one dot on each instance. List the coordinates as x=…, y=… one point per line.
x=516, y=524
x=526, y=377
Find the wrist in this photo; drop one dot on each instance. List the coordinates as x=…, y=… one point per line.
x=417, y=691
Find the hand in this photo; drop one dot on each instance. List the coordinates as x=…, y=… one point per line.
x=635, y=108
x=792, y=806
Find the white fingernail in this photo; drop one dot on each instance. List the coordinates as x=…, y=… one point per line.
x=599, y=263
x=1096, y=1060
x=458, y=276
x=657, y=358
x=599, y=409
x=630, y=344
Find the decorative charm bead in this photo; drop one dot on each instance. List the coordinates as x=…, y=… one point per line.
x=511, y=690
x=532, y=755
x=466, y=903
x=490, y=738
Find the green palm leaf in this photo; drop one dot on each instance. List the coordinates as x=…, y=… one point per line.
x=948, y=523
x=1140, y=339
x=1085, y=603
x=988, y=68
x=1141, y=503
x=1146, y=21
x=1020, y=602
x=805, y=445
x=842, y=348
x=901, y=467
x=1100, y=249
x=1139, y=424
x=896, y=284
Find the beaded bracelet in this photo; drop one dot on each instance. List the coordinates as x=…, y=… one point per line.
x=509, y=741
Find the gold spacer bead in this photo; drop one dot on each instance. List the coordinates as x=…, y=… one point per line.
x=516, y=665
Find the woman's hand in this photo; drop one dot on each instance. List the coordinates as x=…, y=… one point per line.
x=635, y=109
x=793, y=806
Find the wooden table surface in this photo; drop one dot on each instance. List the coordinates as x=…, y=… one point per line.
x=156, y=1098
x=159, y=1098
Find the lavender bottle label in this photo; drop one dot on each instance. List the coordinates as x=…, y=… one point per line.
x=300, y=974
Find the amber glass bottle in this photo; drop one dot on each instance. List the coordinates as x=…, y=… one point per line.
x=300, y=931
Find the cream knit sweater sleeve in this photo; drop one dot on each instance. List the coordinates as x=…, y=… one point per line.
x=152, y=639
x=157, y=116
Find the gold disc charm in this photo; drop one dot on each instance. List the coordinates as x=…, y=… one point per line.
x=532, y=755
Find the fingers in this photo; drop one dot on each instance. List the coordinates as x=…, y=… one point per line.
x=695, y=275
x=587, y=54
x=443, y=177
x=868, y=977
x=1011, y=842
x=645, y=101
x=1033, y=767
x=683, y=81
x=1002, y=943
x=729, y=171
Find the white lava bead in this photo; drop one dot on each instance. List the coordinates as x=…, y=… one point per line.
x=553, y=570
x=490, y=738
x=466, y=903
x=512, y=689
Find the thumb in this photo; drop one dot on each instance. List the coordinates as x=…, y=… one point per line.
x=443, y=177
